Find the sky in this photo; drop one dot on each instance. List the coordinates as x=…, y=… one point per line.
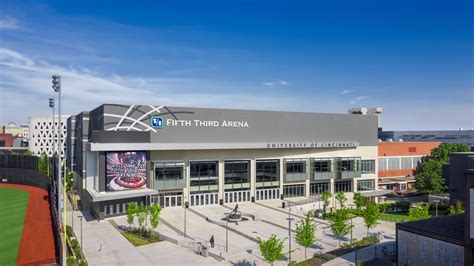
x=412, y=58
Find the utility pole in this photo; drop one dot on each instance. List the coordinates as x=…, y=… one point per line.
x=289, y=239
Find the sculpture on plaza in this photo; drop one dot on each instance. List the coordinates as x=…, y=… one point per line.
x=235, y=215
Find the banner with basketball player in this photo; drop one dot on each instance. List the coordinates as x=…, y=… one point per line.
x=125, y=170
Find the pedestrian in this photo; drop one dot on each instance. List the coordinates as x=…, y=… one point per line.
x=212, y=241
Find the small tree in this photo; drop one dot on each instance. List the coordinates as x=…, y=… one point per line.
x=155, y=210
x=131, y=212
x=340, y=223
x=325, y=197
x=419, y=211
x=142, y=214
x=359, y=201
x=456, y=208
x=341, y=198
x=271, y=249
x=305, y=230
x=370, y=215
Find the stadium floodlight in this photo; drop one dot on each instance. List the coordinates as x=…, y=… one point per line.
x=56, y=83
x=51, y=102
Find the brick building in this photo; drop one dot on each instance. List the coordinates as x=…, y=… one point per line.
x=398, y=161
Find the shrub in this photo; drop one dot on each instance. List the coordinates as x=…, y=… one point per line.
x=74, y=243
x=69, y=231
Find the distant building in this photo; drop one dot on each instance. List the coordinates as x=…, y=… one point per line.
x=398, y=161
x=6, y=140
x=446, y=136
x=446, y=240
x=15, y=130
x=454, y=173
x=42, y=134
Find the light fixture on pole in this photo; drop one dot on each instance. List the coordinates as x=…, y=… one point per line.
x=56, y=80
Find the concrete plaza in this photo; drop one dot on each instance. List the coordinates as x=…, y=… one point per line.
x=103, y=244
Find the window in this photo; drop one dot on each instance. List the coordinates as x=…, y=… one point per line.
x=368, y=166
x=365, y=185
x=296, y=167
x=393, y=163
x=342, y=186
x=318, y=188
x=293, y=191
x=169, y=175
x=406, y=162
x=295, y=170
x=268, y=171
x=169, y=171
x=382, y=164
x=347, y=165
x=204, y=175
x=237, y=172
x=322, y=166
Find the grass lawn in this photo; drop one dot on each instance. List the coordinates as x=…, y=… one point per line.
x=394, y=217
x=137, y=240
x=13, y=204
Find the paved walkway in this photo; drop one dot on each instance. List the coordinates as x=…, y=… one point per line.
x=104, y=245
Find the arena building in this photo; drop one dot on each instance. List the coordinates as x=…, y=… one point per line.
x=174, y=155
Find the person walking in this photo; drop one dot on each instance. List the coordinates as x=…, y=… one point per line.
x=212, y=241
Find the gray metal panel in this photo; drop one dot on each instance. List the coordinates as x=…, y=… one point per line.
x=263, y=126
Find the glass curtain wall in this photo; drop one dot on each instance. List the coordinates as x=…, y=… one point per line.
x=323, y=168
x=268, y=173
x=237, y=174
x=296, y=170
x=204, y=176
x=169, y=175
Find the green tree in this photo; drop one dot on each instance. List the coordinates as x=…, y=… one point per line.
x=70, y=181
x=271, y=249
x=419, y=211
x=155, y=210
x=305, y=230
x=340, y=223
x=456, y=208
x=142, y=213
x=429, y=177
x=371, y=216
x=43, y=165
x=131, y=212
x=441, y=153
x=341, y=198
x=325, y=197
x=359, y=201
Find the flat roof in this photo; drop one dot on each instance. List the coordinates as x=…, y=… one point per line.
x=446, y=228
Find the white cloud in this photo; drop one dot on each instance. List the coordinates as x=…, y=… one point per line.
x=356, y=99
x=8, y=23
x=26, y=85
x=345, y=91
x=274, y=83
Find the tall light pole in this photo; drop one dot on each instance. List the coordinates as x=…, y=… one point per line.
x=351, y=205
x=186, y=205
x=81, y=216
x=56, y=80
x=51, y=105
x=289, y=239
x=226, y=232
